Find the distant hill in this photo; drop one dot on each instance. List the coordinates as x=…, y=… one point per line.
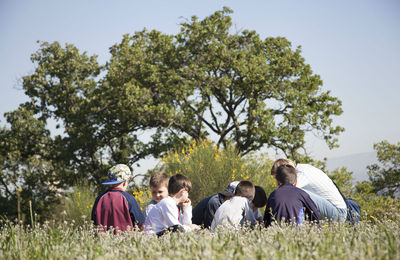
x=357, y=163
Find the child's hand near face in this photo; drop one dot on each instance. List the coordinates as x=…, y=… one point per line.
x=186, y=203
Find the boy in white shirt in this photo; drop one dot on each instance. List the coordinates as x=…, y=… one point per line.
x=166, y=215
x=236, y=211
x=159, y=190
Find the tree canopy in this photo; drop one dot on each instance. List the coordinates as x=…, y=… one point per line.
x=206, y=81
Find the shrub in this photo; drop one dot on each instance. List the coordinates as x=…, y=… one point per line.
x=211, y=169
x=79, y=204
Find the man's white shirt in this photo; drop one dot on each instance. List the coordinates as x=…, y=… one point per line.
x=316, y=181
x=166, y=214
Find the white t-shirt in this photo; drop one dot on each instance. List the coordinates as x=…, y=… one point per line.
x=166, y=214
x=314, y=180
x=233, y=212
x=147, y=209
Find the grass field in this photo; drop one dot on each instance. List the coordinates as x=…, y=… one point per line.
x=372, y=239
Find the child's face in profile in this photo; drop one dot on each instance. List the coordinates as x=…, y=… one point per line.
x=158, y=193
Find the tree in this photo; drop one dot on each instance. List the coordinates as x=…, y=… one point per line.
x=203, y=82
x=385, y=176
x=26, y=174
x=235, y=87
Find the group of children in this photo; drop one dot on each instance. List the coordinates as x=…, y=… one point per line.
x=170, y=209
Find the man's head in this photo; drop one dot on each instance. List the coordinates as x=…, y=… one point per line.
x=245, y=189
x=159, y=186
x=286, y=174
x=280, y=162
x=118, y=176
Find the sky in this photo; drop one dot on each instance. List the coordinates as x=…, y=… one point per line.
x=353, y=45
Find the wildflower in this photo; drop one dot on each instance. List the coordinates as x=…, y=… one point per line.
x=372, y=217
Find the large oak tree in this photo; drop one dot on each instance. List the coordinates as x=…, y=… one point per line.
x=204, y=82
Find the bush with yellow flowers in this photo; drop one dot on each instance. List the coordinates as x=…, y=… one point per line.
x=211, y=169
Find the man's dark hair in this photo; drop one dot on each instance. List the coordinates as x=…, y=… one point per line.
x=260, y=198
x=178, y=182
x=286, y=174
x=245, y=189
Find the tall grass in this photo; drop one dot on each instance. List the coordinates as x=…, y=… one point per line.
x=367, y=240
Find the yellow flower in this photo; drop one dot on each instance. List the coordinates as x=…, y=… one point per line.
x=326, y=225
x=176, y=155
x=245, y=178
x=79, y=195
x=372, y=217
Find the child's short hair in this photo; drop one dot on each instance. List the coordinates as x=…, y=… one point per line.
x=260, y=198
x=286, y=174
x=178, y=182
x=245, y=189
x=159, y=179
x=280, y=162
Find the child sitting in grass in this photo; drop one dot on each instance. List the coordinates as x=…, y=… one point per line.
x=289, y=203
x=166, y=215
x=159, y=190
x=203, y=213
x=116, y=208
x=236, y=211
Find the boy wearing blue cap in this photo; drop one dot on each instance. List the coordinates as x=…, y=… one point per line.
x=116, y=208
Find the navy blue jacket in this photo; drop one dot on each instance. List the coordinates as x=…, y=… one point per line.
x=290, y=203
x=203, y=212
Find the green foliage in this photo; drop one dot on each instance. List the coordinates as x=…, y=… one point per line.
x=379, y=239
x=385, y=176
x=343, y=180
x=26, y=171
x=200, y=83
x=211, y=169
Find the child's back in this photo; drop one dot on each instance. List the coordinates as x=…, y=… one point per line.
x=236, y=211
x=230, y=213
x=116, y=208
x=288, y=202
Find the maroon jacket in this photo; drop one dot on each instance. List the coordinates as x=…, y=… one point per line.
x=118, y=209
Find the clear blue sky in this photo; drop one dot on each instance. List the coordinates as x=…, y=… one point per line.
x=353, y=45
